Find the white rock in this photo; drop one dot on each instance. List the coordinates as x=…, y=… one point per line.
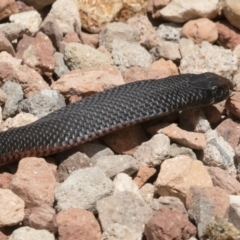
x=83, y=188
x=154, y=151
x=27, y=233
x=210, y=58
x=147, y=192
x=11, y=208
x=30, y=20
x=184, y=10
x=169, y=31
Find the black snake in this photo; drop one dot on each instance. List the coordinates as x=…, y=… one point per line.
x=111, y=110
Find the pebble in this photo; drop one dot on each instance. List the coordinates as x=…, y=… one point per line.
x=58, y=52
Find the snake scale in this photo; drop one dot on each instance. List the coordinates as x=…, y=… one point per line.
x=111, y=110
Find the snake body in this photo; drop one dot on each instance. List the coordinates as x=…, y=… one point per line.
x=111, y=110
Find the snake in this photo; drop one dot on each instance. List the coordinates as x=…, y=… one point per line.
x=111, y=110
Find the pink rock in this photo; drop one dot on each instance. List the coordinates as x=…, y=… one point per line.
x=126, y=141
x=5, y=180
x=228, y=36
x=80, y=82
x=7, y=8
x=178, y=174
x=143, y=174
x=77, y=224
x=225, y=181
x=169, y=224
x=154, y=6
x=233, y=104
x=200, y=30
x=189, y=139
x=89, y=39
x=6, y=45
x=34, y=182
x=37, y=52
x=43, y=217
x=230, y=131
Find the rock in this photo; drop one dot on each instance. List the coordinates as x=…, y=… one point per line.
x=12, y=70
x=165, y=66
x=234, y=215
x=187, y=47
x=200, y=30
x=27, y=233
x=11, y=207
x=60, y=66
x=66, y=14
x=169, y=31
x=188, y=139
x=95, y=15
x=148, y=35
x=154, y=7
x=79, y=56
x=95, y=150
x=223, y=180
x=112, y=165
x=230, y=130
x=76, y=223
x=163, y=225
x=154, y=151
x=83, y=188
x=80, y=82
x=71, y=163
x=166, y=49
x=143, y=174
x=123, y=183
x=233, y=105
x=37, y=52
x=91, y=40
x=119, y=208
x=7, y=8
x=22, y=7
x=118, y=31
x=210, y=59
x=127, y=140
x=5, y=45
x=172, y=203
x=178, y=174
x=205, y=204
x=228, y=36
x=43, y=217
x=19, y=120
x=118, y=231
x=183, y=11
x=30, y=20
x=147, y=193
x=227, y=230
x=218, y=153
x=42, y=103
x=5, y=180
x=176, y=150
x=12, y=31
x=126, y=55
x=231, y=11
x=14, y=96
x=35, y=189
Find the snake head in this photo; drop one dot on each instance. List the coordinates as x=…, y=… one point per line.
x=215, y=87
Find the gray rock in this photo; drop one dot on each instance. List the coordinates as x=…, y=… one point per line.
x=95, y=150
x=154, y=151
x=210, y=58
x=176, y=150
x=169, y=32
x=60, y=67
x=234, y=215
x=124, y=208
x=83, y=188
x=112, y=165
x=126, y=55
x=118, y=31
x=14, y=96
x=42, y=103
x=27, y=233
x=79, y=56
x=147, y=192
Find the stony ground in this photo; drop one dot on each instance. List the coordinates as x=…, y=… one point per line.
x=176, y=177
